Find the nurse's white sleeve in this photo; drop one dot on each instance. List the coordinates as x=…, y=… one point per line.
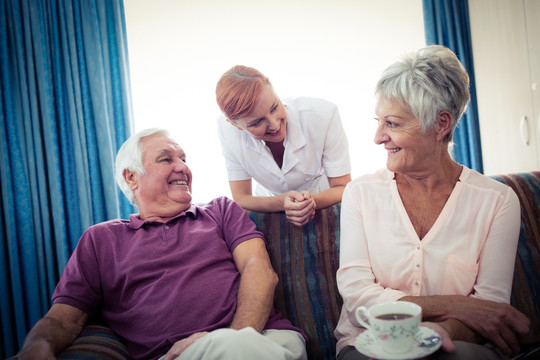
x=231, y=148
x=336, y=160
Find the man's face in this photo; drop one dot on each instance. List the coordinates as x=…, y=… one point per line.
x=165, y=189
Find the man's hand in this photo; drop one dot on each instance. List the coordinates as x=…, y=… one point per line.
x=299, y=207
x=179, y=346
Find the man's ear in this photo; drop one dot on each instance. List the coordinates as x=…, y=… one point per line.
x=443, y=124
x=233, y=123
x=131, y=178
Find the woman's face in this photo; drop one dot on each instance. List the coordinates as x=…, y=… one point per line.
x=408, y=147
x=268, y=120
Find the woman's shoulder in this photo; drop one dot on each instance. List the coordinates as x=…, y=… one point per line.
x=482, y=183
x=474, y=178
x=381, y=176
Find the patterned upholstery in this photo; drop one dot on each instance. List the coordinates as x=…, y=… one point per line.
x=526, y=286
x=306, y=260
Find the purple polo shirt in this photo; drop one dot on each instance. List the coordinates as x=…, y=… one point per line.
x=157, y=283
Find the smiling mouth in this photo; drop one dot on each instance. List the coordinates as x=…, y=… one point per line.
x=272, y=133
x=393, y=151
x=178, y=182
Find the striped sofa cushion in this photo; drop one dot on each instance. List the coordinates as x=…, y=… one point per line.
x=306, y=260
x=526, y=285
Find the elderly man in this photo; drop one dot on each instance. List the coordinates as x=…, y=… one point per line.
x=177, y=281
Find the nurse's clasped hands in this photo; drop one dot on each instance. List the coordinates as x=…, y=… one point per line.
x=299, y=207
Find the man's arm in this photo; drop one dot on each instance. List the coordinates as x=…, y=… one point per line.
x=255, y=293
x=53, y=333
x=257, y=284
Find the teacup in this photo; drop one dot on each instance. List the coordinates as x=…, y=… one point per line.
x=393, y=324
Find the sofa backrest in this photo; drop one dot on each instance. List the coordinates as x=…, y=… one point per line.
x=306, y=260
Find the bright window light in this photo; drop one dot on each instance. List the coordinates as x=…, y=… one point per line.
x=331, y=49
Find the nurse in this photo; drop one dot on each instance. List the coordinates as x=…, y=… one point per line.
x=295, y=150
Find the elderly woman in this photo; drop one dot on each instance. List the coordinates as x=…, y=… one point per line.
x=296, y=150
x=427, y=229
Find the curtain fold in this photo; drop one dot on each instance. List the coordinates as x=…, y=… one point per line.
x=65, y=108
x=447, y=23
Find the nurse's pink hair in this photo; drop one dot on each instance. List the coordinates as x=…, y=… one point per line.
x=238, y=90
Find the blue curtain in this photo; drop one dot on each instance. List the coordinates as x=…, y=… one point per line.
x=65, y=108
x=446, y=22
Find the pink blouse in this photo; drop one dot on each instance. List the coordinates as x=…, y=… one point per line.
x=470, y=249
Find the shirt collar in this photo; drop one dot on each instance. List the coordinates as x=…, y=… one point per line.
x=135, y=222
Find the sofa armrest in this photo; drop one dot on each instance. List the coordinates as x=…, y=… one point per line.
x=306, y=260
x=96, y=341
x=526, y=284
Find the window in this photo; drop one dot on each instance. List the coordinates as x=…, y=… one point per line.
x=336, y=50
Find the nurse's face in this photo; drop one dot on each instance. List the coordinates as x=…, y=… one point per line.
x=268, y=120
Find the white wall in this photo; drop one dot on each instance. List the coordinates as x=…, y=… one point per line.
x=335, y=49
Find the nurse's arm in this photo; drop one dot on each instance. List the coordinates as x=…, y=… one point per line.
x=332, y=195
x=242, y=193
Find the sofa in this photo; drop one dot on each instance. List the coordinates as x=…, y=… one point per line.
x=306, y=260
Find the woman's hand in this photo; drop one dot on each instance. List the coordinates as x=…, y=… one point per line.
x=178, y=348
x=499, y=323
x=446, y=341
x=489, y=321
x=299, y=207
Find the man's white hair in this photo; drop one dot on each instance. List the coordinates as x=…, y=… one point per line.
x=129, y=157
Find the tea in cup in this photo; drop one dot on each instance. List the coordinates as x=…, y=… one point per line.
x=393, y=324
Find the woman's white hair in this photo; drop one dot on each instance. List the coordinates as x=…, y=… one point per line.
x=428, y=81
x=129, y=157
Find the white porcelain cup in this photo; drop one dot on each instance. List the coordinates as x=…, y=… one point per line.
x=393, y=324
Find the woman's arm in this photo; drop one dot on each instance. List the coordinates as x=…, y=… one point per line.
x=332, y=195
x=298, y=206
x=476, y=320
x=355, y=277
x=242, y=193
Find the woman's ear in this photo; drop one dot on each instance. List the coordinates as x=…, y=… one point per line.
x=131, y=178
x=444, y=124
x=233, y=123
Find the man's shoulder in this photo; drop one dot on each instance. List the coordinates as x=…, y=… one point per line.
x=221, y=204
x=113, y=225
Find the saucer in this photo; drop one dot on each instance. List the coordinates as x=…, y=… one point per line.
x=366, y=343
